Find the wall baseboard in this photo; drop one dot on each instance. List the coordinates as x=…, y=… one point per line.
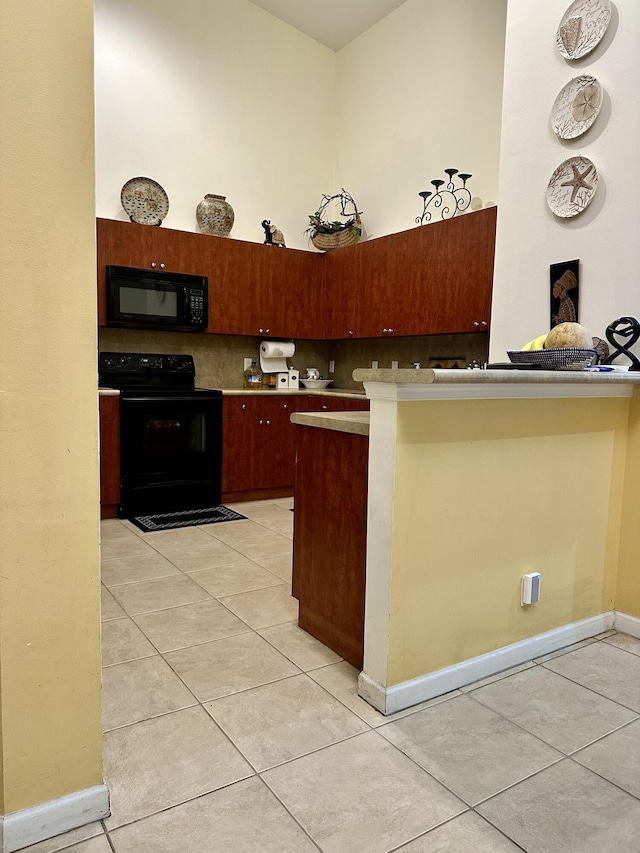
x=626, y=624
x=388, y=700
x=28, y=826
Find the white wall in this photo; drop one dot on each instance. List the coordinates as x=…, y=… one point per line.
x=420, y=92
x=605, y=236
x=219, y=96
x=213, y=96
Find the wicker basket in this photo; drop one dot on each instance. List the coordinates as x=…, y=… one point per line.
x=569, y=358
x=339, y=239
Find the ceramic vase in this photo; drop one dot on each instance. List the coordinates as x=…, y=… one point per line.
x=215, y=215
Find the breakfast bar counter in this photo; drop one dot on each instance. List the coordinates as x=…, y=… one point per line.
x=466, y=481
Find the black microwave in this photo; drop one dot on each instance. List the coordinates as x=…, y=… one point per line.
x=140, y=298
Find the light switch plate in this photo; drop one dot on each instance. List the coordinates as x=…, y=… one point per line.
x=332, y=366
x=247, y=363
x=394, y=365
x=374, y=365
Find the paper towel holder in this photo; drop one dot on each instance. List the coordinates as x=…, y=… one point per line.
x=274, y=355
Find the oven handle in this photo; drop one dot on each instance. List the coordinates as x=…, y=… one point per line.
x=173, y=398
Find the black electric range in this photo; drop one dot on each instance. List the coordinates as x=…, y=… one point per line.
x=170, y=433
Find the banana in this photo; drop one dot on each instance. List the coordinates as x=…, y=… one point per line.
x=536, y=343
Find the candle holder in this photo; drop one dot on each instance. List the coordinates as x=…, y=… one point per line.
x=447, y=198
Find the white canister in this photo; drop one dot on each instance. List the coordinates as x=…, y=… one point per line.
x=294, y=378
x=282, y=380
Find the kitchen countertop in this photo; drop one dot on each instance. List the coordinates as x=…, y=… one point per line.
x=347, y=394
x=440, y=384
x=356, y=423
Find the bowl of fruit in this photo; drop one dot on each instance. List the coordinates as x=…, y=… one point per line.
x=568, y=346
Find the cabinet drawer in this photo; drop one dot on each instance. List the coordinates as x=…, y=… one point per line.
x=258, y=406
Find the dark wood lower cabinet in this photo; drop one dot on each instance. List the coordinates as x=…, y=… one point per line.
x=109, y=456
x=329, y=541
x=258, y=451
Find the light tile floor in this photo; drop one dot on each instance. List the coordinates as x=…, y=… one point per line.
x=230, y=730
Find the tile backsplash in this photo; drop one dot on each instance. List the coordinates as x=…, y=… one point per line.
x=219, y=358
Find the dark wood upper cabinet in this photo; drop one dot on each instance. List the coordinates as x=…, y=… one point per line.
x=435, y=279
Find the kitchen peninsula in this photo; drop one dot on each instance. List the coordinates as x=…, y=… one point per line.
x=467, y=481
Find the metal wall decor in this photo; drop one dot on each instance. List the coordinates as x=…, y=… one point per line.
x=448, y=201
x=582, y=26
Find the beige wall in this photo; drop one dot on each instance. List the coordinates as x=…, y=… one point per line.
x=628, y=587
x=605, y=236
x=487, y=491
x=49, y=584
x=223, y=97
x=418, y=93
x=213, y=97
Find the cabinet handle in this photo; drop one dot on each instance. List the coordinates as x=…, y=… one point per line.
x=390, y=331
x=325, y=407
x=244, y=406
x=350, y=332
x=161, y=266
x=384, y=331
x=484, y=322
x=266, y=331
x=268, y=423
x=261, y=331
x=153, y=263
x=476, y=324
x=285, y=407
x=261, y=423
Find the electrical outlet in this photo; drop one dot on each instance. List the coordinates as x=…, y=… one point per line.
x=394, y=365
x=374, y=365
x=530, y=588
x=247, y=363
x=332, y=366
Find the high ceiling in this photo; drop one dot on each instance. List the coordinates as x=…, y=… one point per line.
x=334, y=23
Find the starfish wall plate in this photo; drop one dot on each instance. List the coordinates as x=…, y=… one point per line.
x=576, y=107
x=572, y=186
x=582, y=26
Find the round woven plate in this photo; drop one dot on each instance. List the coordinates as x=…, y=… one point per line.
x=569, y=358
x=144, y=201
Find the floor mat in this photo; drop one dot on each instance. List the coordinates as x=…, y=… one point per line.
x=185, y=518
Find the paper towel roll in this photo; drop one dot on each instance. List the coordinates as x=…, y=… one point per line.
x=274, y=355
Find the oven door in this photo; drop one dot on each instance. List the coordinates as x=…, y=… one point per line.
x=170, y=451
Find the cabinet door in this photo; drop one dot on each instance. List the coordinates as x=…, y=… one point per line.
x=122, y=244
x=109, y=456
x=257, y=443
x=181, y=251
x=341, y=293
x=239, y=300
x=298, y=276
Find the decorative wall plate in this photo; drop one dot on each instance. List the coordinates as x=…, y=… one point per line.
x=582, y=26
x=144, y=201
x=576, y=107
x=572, y=186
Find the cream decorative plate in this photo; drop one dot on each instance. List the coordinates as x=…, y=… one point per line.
x=582, y=26
x=572, y=186
x=576, y=107
x=144, y=201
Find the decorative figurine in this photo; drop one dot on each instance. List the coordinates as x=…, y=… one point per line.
x=625, y=327
x=272, y=236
